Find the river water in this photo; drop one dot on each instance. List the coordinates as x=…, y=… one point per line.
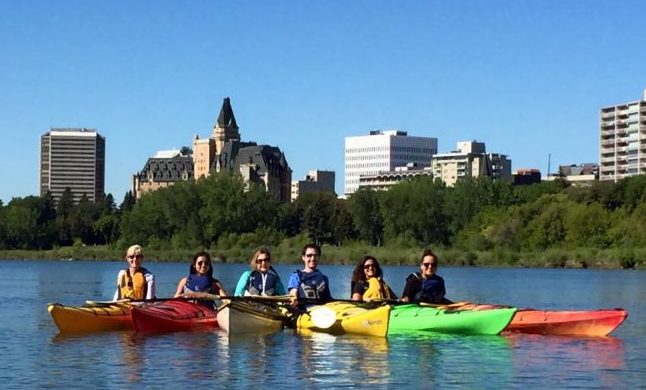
x=34, y=355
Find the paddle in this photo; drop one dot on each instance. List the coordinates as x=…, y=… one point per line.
x=322, y=317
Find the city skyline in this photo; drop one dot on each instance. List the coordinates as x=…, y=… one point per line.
x=528, y=79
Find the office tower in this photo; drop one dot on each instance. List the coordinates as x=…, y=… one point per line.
x=622, y=145
x=383, y=151
x=74, y=159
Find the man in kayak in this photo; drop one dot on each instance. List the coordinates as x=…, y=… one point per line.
x=135, y=282
x=309, y=283
x=425, y=286
x=260, y=278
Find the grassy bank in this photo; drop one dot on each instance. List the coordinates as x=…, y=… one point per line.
x=289, y=253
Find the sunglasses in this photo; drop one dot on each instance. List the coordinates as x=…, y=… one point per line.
x=201, y=263
x=311, y=255
x=428, y=265
x=136, y=257
x=264, y=260
x=368, y=266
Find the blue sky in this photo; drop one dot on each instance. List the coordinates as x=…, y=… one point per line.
x=526, y=77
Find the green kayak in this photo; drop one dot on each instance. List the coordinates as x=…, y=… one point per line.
x=416, y=318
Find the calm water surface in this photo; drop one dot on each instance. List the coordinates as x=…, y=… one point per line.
x=32, y=354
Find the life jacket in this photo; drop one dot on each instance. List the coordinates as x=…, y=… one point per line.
x=312, y=284
x=378, y=289
x=133, y=286
x=262, y=284
x=431, y=290
x=199, y=283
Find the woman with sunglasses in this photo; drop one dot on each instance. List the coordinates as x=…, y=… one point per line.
x=261, y=278
x=425, y=286
x=135, y=282
x=200, y=278
x=367, y=282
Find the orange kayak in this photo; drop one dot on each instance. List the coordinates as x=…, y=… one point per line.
x=567, y=323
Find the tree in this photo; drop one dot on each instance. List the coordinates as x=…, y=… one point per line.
x=366, y=213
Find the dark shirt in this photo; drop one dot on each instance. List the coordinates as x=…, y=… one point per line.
x=429, y=290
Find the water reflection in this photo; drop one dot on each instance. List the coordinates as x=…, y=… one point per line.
x=555, y=358
x=434, y=358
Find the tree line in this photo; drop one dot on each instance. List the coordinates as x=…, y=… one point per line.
x=474, y=216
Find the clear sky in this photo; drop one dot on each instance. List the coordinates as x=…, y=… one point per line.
x=526, y=77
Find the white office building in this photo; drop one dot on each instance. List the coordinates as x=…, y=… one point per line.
x=622, y=144
x=383, y=151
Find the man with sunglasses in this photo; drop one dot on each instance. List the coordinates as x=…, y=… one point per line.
x=425, y=286
x=135, y=282
x=309, y=283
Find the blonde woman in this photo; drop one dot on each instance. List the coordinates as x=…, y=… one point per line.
x=260, y=278
x=135, y=282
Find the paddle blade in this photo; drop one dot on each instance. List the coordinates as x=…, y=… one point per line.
x=322, y=317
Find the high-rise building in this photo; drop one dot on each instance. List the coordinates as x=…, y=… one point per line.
x=74, y=159
x=470, y=160
x=382, y=151
x=315, y=181
x=622, y=145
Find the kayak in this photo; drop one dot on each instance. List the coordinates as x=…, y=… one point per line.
x=416, y=318
x=567, y=323
x=170, y=316
x=95, y=318
x=558, y=322
x=351, y=318
x=247, y=317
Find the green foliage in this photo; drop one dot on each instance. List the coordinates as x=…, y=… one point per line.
x=366, y=213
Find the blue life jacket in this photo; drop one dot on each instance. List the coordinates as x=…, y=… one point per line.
x=313, y=285
x=431, y=290
x=255, y=283
x=199, y=283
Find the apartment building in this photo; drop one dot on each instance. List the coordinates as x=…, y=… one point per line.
x=315, y=181
x=382, y=151
x=622, y=144
x=72, y=158
x=385, y=180
x=470, y=160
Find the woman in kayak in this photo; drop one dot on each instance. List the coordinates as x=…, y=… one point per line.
x=200, y=278
x=425, y=286
x=261, y=278
x=367, y=282
x=135, y=282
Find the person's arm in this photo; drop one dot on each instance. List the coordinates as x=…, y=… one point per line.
x=242, y=282
x=180, y=287
x=117, y=293
x=357, y=291
x=292, y=284
x=220, y=288
x=150, y=290
x=409, y=292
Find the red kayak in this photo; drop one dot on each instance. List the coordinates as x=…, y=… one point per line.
x=567, y=323
x=171, y=316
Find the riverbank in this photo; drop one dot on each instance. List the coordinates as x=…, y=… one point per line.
x=623, y=258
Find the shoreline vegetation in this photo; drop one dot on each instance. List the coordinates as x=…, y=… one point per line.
x=349, y=255
x=476, y=222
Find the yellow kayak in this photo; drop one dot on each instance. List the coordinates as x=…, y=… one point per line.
x=350, y=319
x=76, y=319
